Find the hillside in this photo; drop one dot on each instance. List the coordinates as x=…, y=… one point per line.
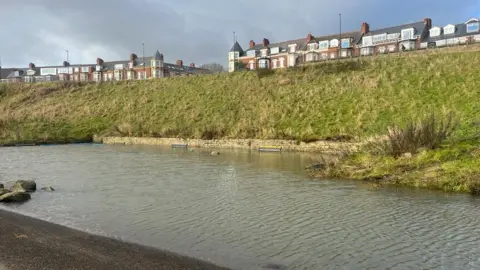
x=361, y=97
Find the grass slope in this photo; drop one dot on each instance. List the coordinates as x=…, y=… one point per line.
x=359, y=98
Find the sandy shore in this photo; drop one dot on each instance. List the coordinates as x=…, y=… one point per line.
x=28, y=243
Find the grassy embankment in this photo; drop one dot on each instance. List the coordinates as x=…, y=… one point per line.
x=358, y=98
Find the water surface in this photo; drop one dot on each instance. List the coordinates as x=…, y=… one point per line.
x=245, y=209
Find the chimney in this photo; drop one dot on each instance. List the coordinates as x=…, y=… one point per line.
x=266, y=42
x=133, y=57
x=428, y=23
x=99, y=61
x=365, y=28
x=31, y=65
x=180, y=63
x=252, y=44
x=309, y=37
x=192, y=65
x=66, y=64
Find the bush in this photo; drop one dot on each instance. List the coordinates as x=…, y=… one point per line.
x=428, y=133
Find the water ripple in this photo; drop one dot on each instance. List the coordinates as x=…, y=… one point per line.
x=245, y=209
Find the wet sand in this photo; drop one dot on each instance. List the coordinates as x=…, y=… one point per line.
x=28, y=243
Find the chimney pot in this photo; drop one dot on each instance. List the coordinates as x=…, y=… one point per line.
x=133, y=57
x=309, y=37
x=31, y=65
x=252, y=44
x=428, y=22
x=266, y=42
x=365, y=28
x=99, y=61
x=180, y=63
x=66, y=64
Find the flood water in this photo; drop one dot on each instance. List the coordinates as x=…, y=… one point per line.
x=244, y=209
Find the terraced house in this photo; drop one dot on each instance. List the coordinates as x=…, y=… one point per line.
x=364, y=42
x=133, y=69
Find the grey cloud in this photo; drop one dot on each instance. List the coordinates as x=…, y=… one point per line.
x=194, y=31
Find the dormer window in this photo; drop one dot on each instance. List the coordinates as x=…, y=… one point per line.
x=275, y=50
x=312, y=46
x=130, y=65
x=292, y=48
x=334, y=43
x=323, y=45
x=264, y=53
x=449, y=29
x=473, y=27
x=435, y=32
x=407, y=34
x=346, y=43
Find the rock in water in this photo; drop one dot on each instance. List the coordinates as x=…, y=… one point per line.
x=25, y=185
x=214, y=153
x=2, y=186
x=15, y=196
x=50, y=189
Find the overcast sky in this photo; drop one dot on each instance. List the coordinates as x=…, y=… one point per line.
x=199, y=31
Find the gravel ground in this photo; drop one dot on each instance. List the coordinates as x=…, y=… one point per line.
x=27, y=243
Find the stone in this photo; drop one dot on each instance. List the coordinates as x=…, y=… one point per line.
x=15, y=197
x=214, y=153
x=49, y=189
x=24, y=185
x=407, y=155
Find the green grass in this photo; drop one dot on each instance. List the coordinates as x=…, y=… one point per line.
x=342, y=99
x=454, y=167
x=358, y=98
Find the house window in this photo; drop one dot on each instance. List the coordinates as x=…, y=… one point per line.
x=382, y=49
x=141, y=75
x=435, y=32
x=118, y=75
x=97, y=76
x=312, y=46
x=264, y=53
x=263, y=63
x=292, y=48
x=251, y=53
x=323, y=45
x=391, y=48
x=407, y=34
x=85, y=69
x=346, y=43
x=275, y=50
x=366, y=51
x=379, y=38
x=367, y=41
x=393, y=37
x=252, y=65
x=310, y=57
x=332, y=55
x=344, y=53
x=334, y=43
x=274, y=63
x=84, y=77
x=291, y=61
x=449, y=29
x=473, y=27
x=324, y=56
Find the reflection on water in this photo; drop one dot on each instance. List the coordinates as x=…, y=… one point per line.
x=244, y=209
